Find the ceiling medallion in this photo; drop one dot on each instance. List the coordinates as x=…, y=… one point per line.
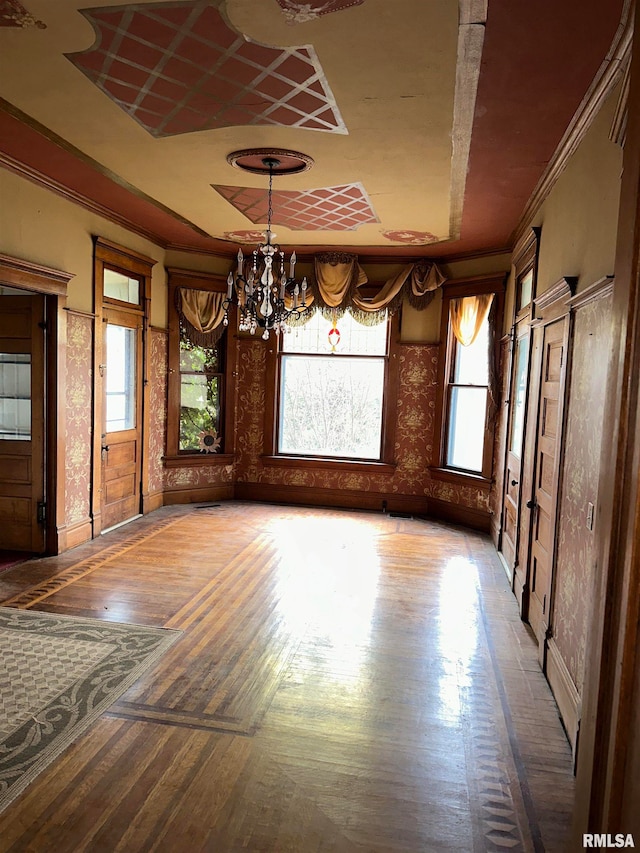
x=283, y=161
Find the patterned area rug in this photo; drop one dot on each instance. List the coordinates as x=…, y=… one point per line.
x=57, y=675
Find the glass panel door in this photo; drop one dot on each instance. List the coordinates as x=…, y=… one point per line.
x=121, y=378
x=15, y=396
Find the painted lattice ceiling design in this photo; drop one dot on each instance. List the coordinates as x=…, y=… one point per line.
x=180, y=67
x=342, y=208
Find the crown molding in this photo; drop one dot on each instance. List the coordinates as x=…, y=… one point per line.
x=607, y=77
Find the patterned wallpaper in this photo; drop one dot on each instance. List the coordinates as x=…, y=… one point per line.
x=414, y=447
x=157, y=408
x=78, y=436
x=585, y=413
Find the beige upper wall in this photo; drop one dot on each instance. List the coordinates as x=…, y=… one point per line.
x=579, y=218
x=39, y=226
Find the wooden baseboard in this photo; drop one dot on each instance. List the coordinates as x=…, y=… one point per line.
x=75, y=534
x=520, y=594
x=478, y=519
x=342, y=498
x=380, y=501
x=152, y=502
x=565, y=692
x=206, y=493
x=495, y=530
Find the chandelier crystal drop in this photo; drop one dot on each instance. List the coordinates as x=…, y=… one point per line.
x=266, y=296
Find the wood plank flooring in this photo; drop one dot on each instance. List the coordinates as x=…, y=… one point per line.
x=346, y=681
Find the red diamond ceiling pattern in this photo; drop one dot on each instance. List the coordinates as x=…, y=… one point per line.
x=342, y=208
x=178, y=68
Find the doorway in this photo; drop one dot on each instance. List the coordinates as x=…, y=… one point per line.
x=121, y=446
x=22, y=423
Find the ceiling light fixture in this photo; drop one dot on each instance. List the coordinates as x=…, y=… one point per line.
x=266, y=296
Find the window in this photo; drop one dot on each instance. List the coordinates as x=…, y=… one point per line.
x=201, y=384
x=15, y=396
x=121, y=287
x=198, y=423
x=467, y=398
x=465, y=408
x=332, y=390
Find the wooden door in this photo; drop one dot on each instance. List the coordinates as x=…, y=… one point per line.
x=22, y=427
x=513, y=464
x=121, y=372
x=543, y=504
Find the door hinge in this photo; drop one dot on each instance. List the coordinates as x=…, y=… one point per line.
x=44, y=325
x=42, y=512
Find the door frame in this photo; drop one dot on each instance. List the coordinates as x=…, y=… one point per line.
x=52, y=283
x=108, y=255
x=525, y=262
x=551, y=307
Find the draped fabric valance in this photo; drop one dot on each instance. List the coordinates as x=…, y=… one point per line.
x=467, y=316
x=201, y=313
x=338, y=277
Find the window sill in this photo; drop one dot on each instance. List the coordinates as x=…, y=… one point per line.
x=191, y=460
x=328, y=463
x=449, y=475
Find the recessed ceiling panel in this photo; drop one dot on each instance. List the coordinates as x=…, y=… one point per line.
x=178, y=68
x=342, y=208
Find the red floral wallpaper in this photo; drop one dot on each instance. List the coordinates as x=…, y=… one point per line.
x=585, y=414
x=78, y=428
x=418, y=370
x=157, y=408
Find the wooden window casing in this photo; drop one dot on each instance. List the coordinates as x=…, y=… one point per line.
x=386, y=462
x=456, y=290
x=175, y=457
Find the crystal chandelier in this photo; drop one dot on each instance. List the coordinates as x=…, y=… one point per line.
x=266, y=296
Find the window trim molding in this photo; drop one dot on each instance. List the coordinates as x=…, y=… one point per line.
x=194, y=280
x=525, y=261
x=387, y=462
x=493, y=283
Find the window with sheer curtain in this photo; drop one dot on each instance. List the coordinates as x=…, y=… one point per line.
x=467, y=405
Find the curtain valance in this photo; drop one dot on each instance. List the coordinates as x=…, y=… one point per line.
x=201, y=313
x=339, y=276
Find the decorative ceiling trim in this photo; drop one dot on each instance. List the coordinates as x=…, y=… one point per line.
x=606, y=79
x=14, y=14
x=263, y=161
x=341, y=208
x=412, y=238
x=301, y=13
x=80, y=199
x=618, y=132
x=182, y=67
x=473, y=17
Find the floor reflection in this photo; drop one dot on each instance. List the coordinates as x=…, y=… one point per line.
x=326, y=591
x=458, y=633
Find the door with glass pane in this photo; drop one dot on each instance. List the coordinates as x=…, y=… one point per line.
x=513, y=467
x=22, y=432
x=121, y=373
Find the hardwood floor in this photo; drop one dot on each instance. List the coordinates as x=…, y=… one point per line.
x=346, y=681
